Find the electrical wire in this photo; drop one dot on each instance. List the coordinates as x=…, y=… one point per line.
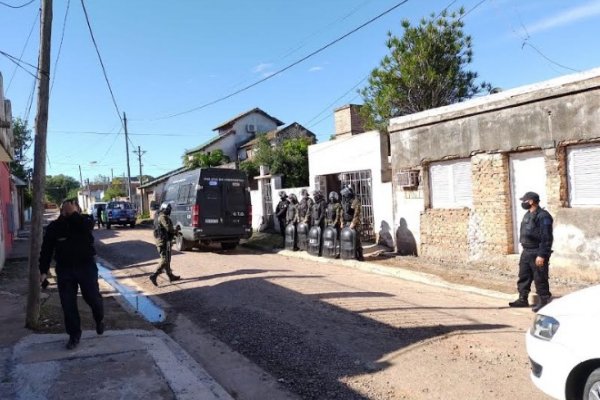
x=62, y=36
x=280, y=71
x=21, y=6
x=130, y=134
x=112, y=95
x=35, y=20
x=18, y=62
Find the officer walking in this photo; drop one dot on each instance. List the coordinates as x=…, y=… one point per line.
x=536, y=239
x=69, y=239
x=164, y=234
x=281, y=213
x=99, y=220
x=352, y=217
x=305, y=207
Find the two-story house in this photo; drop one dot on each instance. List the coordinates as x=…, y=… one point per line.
x=275, y=137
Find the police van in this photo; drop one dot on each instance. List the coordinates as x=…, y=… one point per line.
x=209, y=205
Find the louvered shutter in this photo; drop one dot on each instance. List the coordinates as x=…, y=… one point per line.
x=584, y=175
x=451, y=184
x=440, y=185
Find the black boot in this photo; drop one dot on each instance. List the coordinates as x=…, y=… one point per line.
x=73, y=342
x=521, y=302
x=543, y=301
x=173, y=277
x=153, y=279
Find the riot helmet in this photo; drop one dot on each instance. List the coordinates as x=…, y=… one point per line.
x=347, y=193
x=334, y=197
x=304, y=193
x=165, y=208
x=317, y=195
x=282, y=195
x=293, y=198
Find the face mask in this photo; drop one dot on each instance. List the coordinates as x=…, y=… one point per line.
x=525, y=205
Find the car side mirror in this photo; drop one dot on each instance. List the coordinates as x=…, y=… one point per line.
x=154, y=205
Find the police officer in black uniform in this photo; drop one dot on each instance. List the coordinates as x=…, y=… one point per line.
x=305, y=208
x=536, y=239
x=281, y=213
x=69, y=239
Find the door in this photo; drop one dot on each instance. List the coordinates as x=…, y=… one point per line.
x=361, y=183
x=527, y=174
x=236, y=205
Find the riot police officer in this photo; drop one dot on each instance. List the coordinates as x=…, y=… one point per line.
x=292, y=215
x=352, y=217
x=281, y=213
x=69, y=239
x=305, y=207
x=318, y=210
x=536, y=239
x=164, y=234
x=333, y=215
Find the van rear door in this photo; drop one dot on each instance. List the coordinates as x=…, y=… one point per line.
x=235, y=204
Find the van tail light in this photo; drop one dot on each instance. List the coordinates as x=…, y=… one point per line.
x=250, y=215
x=196, y=216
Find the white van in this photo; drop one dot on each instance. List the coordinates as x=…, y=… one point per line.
x=564, y=346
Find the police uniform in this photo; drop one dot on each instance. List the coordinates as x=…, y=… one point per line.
x=69, y=239
x=317, y=214
x=165, y=234
x=281, y=214
x=352, y=215
x=305, y=209
x=334, y=216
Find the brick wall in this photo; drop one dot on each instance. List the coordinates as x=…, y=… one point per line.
x=490, y=224
x=348, y=120
x=556, y=179
x=444, y=234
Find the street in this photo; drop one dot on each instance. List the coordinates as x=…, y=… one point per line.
x=325, y=331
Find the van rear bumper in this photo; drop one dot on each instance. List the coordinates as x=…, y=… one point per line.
x=224, y=235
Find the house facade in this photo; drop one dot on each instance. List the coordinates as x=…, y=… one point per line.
x=239, y=130
x=459, y=170
x=8, y=218
x=276, y=137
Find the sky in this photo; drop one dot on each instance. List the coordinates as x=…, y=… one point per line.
x=163, y=58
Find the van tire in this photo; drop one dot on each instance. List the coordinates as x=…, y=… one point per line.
x=132, y=225
x=107, y=225
x=182, y=244
x=229, y=245
x=593, y=381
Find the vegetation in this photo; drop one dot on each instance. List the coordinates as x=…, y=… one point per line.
x=22, y=142
x=206, y=160
x=60, y=187
x=427, y=68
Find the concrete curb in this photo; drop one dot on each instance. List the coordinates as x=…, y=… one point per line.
x=395, y=272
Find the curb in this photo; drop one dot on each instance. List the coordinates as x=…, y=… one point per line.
x=394, y=272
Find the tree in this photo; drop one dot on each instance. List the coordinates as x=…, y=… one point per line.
x=205, y=160
x=59, y=186
x=22, y=142
x=251, y=168
x=113, y=192
x=290, y=159
x=427, y=68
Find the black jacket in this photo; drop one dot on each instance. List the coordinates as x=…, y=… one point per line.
x=71, y=242
x=536, y=232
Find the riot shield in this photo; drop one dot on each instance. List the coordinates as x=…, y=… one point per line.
x=314, y=241
x=348, y=243
x=330, y=242
x=302, y=236
x=290, y=237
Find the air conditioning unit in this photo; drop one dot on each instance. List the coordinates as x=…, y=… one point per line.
x=251, y=128
x=408, y=179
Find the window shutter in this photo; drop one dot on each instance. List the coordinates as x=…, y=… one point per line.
x=440, y=185
x=451, y=184
x=584, y=175
x=462, y=183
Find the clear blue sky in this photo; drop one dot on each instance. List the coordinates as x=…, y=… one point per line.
x=164, y=57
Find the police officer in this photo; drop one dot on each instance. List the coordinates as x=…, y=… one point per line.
x=536, y=239
x=318, y=211
x=292, y=213
x=333, y=215
x=305, y=207
x=69, y=239
x=164, y=234
x=352, y=217
x=281, y=213
x=99, y=216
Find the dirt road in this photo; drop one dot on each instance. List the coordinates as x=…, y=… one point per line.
x=328, y=332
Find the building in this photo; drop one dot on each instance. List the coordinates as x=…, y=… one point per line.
x=276, y=137
x=8, y=218
x=237, y=131
x=152, y=190
x=459, y=171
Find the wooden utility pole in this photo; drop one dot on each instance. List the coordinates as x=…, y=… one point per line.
x=140, y=153
x=127, y=151
x=39, y=165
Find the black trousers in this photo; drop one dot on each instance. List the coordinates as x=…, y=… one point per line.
x=282, y=228
x=529, y=272
x=69, y=280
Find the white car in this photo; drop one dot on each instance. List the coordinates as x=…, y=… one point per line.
x=564, y=346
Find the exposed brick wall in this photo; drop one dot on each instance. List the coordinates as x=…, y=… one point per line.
x=348, y=120
x=444, y=234
x=490, y=224
x=556, y=179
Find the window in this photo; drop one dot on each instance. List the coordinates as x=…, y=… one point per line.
x=184, y=193
x=451, y=185
x=584, y=175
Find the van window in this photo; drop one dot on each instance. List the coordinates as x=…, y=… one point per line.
x=171, y=193
x=183, y=196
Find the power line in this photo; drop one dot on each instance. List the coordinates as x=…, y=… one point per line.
x=112, y=95
x=21, y=6
x=37, y=16
x=130, y=134
x=18, y=62
x=218, y=100
x=62, y=36
x=472, y=9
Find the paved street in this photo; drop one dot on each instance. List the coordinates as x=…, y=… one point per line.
x=325, y=331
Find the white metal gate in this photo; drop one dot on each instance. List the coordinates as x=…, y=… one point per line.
x=361, y=183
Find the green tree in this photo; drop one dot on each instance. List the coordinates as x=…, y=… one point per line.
x=59, y=186
x=427, y=68
x=251, y=168
x=113, y=192
x=22, y=143
x=289, y=159
x=205, y=160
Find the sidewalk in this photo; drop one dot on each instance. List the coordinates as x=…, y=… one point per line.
x=138, y=363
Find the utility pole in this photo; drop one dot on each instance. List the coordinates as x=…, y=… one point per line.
x=127, y=151
x=85, y=205
x=39, y=165
x=140, y=153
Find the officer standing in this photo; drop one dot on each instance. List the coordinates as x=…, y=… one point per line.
x=281, y=213
x=352, y=217
x=292, y=215
x=69, y=238
x=334, y=212
x=99, y=216
x=536, y=239
x=318, y=210
x=305, y=207
x=164, y=234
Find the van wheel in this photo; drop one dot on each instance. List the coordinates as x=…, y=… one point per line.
x=592, y=386
x=107, y=226
x=229, y=245
x=181, y=244
x=132, y=225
